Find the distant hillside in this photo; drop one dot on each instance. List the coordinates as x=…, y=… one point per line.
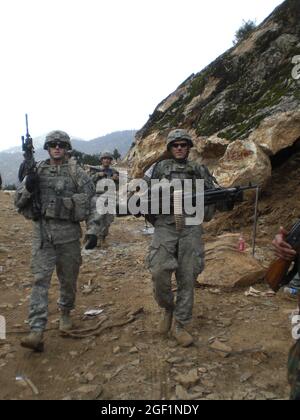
x=10, y=159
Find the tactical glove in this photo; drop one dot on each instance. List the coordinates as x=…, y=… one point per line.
x=30, y=182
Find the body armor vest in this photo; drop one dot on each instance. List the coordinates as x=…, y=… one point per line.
x=57, y=187
x=171, y=170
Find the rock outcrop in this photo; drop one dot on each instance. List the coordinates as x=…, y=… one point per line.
x=241, y=110
x=239, y=269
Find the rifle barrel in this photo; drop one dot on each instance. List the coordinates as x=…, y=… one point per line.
x=27, y=130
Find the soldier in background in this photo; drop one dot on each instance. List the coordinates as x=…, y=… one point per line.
x=65, y=195
x=0, y=182
x=98, y=227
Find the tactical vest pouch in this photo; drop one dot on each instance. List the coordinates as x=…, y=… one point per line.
x=81, y=207
x=60, y=208
x=49, y=212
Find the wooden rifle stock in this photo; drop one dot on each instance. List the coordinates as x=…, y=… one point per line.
x=276, y=276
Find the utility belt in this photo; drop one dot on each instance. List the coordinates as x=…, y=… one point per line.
x=73, y=209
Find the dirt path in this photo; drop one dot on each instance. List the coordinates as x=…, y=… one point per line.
x=133, y=361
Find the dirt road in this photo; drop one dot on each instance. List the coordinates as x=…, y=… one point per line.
x=132, y=361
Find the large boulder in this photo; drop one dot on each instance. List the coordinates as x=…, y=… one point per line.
x=243, y=161
x=278, y=132
x=228, y=268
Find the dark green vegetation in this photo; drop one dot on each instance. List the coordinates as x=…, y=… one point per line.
x=244, y=31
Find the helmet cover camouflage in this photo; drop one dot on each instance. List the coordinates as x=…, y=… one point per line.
x=106, y=155
x=60, y=136
x=179, y=134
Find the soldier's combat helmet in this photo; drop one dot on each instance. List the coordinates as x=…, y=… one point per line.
x=179, y=134
x=106, y=155
x=60, y=136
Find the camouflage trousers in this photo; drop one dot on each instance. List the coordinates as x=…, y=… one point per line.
x=66, y=259
x=99, y=225
x=294, y=371
x=181, y=253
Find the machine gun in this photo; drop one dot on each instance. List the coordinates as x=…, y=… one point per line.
x=223, y=198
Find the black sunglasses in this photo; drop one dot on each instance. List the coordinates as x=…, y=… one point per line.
x=182, y=145
x=55, y=144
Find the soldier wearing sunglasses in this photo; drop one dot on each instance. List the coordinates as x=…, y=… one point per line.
x=65, y=193
x=174, y=250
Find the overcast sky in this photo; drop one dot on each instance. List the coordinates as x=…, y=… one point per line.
x=91, y=67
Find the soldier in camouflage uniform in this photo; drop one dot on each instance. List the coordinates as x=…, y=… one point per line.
x=284, y=250
x=65, y=193
x=177, y=250
x=98, y=227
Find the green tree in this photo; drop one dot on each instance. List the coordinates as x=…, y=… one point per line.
x=10, y=187
x=116, y=154
x=85, y=159
x=244, y=31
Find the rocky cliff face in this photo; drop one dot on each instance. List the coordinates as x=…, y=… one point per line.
x=241, y=110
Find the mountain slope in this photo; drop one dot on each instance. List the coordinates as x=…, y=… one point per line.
x=244, y=106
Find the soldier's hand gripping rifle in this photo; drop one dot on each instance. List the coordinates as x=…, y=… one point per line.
x=278, y=273
x=28, y=168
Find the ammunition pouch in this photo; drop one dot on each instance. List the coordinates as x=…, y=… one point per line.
x=59, y=208
x=81, y=207
x=74, y=209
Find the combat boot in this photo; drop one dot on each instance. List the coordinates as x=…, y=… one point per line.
x=91, y=242
x=34, y=341
x=182, y=336
x=166, y=322
x=65, y=322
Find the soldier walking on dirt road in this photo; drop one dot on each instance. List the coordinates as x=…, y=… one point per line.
x=98, y=227
x=65, y=192
x=179, y=251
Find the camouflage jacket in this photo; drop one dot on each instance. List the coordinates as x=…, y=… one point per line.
x=96, y=173
x=99, y=173
x=65, y=199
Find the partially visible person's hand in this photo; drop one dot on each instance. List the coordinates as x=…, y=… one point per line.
x=282, y=248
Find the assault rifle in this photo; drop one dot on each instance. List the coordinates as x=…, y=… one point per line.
x=28, y=167
x=108, y=173
x=278, y=274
